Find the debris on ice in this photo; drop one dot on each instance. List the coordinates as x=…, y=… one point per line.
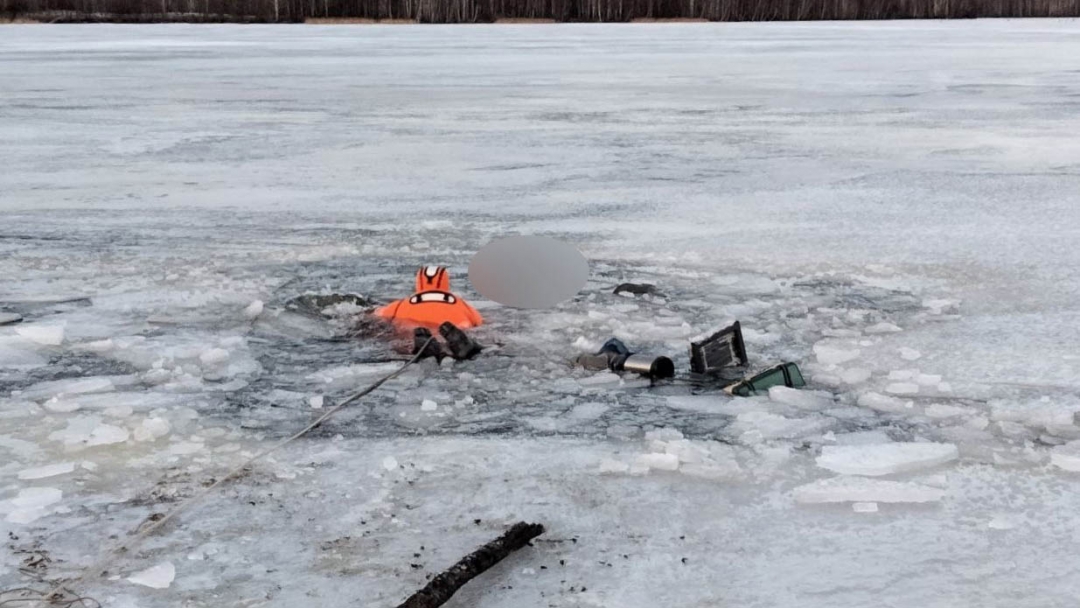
x=41, y=333
x=886, y=458
x=862, y=489
x=50, y=470
x=156, y=577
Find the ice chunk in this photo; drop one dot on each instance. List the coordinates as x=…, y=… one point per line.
x=7, y=318
x=214, y=356
x=939, y=306
x=686, y=451
x=803, y=399
x=588, y=411
x=663, y=434
x=609, y=466
x=831, y=354
x=882, y=328
x=254, y=309
x=928, y=379
x=662, y=462
x=316, y=402
x=185, y=448
x=50, y=470
x=152, y=429
x=861, y=438
x=58, y=406
x=32, y=504
x=156, y=577
x=883, y=403
x=428, y=405
x=940, y=410
x=885, y=459
x=1066, y=457
x=864, y=507
x=902, y=388
x=51, y=334
x=75, y=386
x=390, y=463
x=598, y=379
x=16, y=352
x=98, y=346
x=909, y=354
x=757, y=426
x=88, y=431
x=855, y=375
x=861, y=489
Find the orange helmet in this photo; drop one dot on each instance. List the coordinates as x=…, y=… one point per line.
x=431, y=304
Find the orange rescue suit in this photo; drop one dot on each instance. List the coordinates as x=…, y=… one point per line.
x=431, y=305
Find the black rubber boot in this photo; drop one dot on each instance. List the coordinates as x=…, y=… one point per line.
x=460, y=345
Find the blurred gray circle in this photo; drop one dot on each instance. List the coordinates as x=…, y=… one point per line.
x=528, y=271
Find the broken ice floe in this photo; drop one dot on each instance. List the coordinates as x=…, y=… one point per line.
x=862, y=489
x=31, y=504
x=885, y=459
x=50, y=470
x=1066, y=457
x=46, y=334
x=155, y=577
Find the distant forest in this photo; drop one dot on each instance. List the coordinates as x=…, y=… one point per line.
x=481, y=11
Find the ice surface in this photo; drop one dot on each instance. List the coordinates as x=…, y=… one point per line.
x=861, y=489
x=802, y=399
x=885, y=459
x=48, y=334
x=155, y=577
x=50, y=470
x=177, y=175
x=7, y=318
x=1067, y=456
x=830, y=353
x=31, y=504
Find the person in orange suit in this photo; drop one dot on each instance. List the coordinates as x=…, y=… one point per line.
x=431, y=305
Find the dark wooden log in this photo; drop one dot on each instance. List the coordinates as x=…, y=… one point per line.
x=445, y=585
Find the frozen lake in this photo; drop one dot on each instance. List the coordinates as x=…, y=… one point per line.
x=892, y=205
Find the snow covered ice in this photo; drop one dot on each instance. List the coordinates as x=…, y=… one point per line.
x=891, y=205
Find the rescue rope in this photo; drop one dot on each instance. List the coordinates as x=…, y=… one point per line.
x=55, y=597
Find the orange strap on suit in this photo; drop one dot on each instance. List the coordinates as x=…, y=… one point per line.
x=431, y=304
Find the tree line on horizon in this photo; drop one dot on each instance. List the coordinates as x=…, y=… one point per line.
x=482, y=11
